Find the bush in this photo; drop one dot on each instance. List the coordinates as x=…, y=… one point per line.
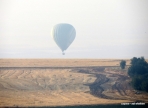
x=122, y=64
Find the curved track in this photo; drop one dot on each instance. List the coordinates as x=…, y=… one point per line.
x=45, y=86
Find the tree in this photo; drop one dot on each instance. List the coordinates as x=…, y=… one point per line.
x=138, y=71
x=138, y=67
x=140, y=60
x=122, y=64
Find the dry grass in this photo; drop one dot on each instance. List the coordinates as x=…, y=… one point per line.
x=59, y=62
x=66, y=86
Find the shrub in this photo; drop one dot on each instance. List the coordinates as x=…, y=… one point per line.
x=122, y=64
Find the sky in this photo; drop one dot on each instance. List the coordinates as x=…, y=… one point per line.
x=104, y=28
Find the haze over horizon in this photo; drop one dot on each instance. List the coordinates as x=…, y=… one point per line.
x=104, y=28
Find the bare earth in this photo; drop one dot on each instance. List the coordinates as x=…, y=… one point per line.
x=56, y=82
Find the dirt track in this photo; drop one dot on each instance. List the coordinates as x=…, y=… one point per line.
x=111, y=84
x=65, y=86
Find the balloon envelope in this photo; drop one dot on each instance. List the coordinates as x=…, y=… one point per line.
x=63, y=34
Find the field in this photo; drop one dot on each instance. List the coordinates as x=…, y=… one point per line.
x=60, y=82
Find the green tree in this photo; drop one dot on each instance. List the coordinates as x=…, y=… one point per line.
x=138, y=67
x=138, y=71
x=122, y=64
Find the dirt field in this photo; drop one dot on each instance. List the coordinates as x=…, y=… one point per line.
x=54, y=82
x=59, y=62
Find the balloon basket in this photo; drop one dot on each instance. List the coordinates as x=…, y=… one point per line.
x=63, y=53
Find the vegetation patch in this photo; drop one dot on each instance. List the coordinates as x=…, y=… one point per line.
x=138, y=71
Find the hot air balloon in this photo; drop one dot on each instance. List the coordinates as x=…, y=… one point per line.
x=63, y=35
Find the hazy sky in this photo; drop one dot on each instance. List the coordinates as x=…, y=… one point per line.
x=104, y=28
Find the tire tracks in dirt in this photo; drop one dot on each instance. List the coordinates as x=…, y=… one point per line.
x=3, y=75
x=95, y=88
x=120, y=85
x=36, y=79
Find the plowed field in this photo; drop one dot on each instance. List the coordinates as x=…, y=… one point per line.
x=65, y=82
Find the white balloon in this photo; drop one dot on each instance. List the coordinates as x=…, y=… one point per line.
x=63, y=34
